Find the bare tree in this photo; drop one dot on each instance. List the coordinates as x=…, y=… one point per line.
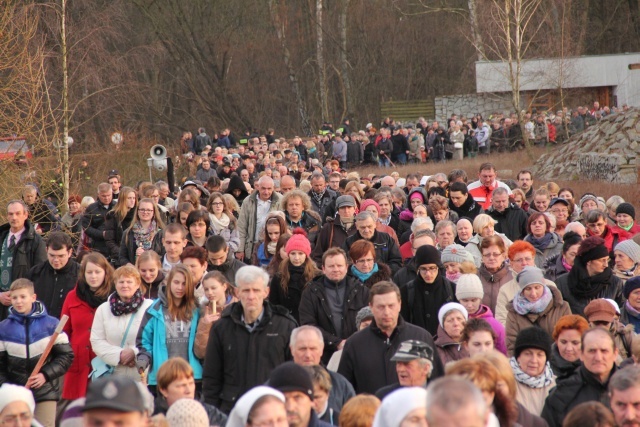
x=324, y=96
x=295, y=86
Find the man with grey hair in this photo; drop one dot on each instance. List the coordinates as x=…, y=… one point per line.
x=20, y=249
x=510, y=219
x=624, y=396
x=253, y=215
x=306, y=347
x=250, y=339
x=414, y=363
x=445, y=234
x=387, y=250
x=455, y=401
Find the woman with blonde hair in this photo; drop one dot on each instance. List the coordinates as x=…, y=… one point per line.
x=117, y=321
x=486, y=377
x=353, y=188
x=483, y=227
x=165, y=321
x=118, y=220
x=144, y=233
x=359, y=411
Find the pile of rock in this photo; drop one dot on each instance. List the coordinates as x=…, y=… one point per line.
x=608, y=151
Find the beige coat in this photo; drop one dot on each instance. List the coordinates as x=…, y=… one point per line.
x=533, y=398
x=506, y=294
x=545, y=320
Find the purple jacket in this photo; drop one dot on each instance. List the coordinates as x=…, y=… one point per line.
x=484, y=312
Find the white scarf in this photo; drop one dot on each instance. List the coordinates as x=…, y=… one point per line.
x=217, y=225
x=542, y=380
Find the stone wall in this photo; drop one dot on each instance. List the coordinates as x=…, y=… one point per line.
x=608, y=151
x=471, y=104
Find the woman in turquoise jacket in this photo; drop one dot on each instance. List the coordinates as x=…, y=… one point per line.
x=169, y=326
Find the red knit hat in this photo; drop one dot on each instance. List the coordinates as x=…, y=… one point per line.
x=298, y=242
x=369, y=202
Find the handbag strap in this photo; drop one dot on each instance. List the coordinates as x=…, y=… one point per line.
x=126, y=332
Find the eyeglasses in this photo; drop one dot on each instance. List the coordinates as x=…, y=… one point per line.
x=145, y=210
x=424, y=270
x=365, y=261
x=493, y=255
x=217, y=204
x=522, y=260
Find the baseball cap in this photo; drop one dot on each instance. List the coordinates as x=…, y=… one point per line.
x=114, y=392
x=412, y=350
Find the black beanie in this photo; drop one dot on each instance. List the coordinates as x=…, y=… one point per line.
x=291, y=377
x=626, y=208
x=533, y=337
x=427, y=254
x=592, y=248
x=630, y=285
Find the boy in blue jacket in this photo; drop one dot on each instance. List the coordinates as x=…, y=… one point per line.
x=23, y=337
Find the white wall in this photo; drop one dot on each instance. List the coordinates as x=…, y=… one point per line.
x=578, y=72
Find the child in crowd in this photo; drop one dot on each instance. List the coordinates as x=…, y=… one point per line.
x=27, y=331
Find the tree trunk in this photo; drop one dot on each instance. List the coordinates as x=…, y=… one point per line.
x=280, y=32
x=344, y=63
x=65, y=108
x=324, y=103
x=475, y=30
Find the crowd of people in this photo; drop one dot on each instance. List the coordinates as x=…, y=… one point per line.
x=276, y=286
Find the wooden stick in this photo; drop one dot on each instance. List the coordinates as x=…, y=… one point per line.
x=50, y=345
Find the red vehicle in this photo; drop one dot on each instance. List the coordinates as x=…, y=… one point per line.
x=16, y=148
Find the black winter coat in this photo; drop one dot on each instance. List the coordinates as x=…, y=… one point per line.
x=553, y=268
x=93, y=223
x=387, y=250
x=366, y=358
x=581, y=387
x=237, y=360
x=421, y=301
x=341, y=392
x=310, y=222
x=512, y=222
x=320, y=208
x=470, y=209
x=385, y=145
x=30, y=333
x=28, y=251
x=114, y=231
x=370, y=154
x=570, y=287
x=52, y=286
x=128, y=247
x=314, y=310
x=355, y=153
x=289, y=299
x=332, y=235
x=406, y=274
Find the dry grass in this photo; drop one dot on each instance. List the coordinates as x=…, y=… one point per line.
x=508, y=165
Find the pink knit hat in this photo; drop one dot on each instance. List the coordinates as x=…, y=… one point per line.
x=369, y=202
x=298, y=242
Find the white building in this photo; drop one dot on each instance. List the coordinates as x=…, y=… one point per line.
x=609, y=79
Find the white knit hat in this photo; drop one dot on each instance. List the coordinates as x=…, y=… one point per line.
x=449, y=307
x=469, y=286
x=240, y=412
x=10, y=393
x=397, y=405
x=187, y=413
